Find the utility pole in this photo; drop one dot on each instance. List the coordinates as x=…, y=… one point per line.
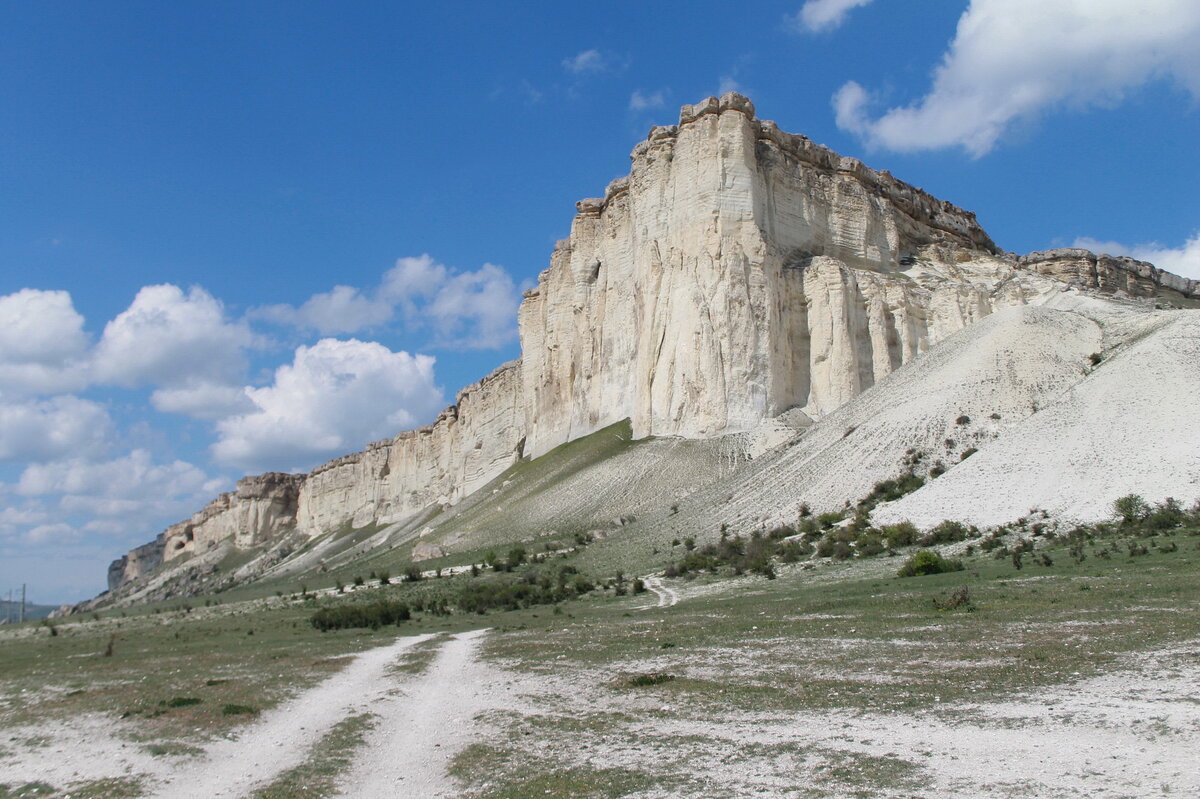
x=8, y=608
x=22, y=603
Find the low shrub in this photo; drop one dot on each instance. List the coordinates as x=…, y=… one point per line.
x=238, y=710
x=928, y=562
x=181, y=701
x=958, y=598
x=827, y=520
x=651, y=678
x=901, y=534
x=891, y=490
x=945, y=533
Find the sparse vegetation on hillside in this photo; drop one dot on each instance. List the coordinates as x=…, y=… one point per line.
x=361, y=614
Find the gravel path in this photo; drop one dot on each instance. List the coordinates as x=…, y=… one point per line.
x=409, y=752
x=666, y=596
x=284, y=736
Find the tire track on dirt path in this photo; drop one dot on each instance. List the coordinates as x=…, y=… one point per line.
x=667, y=597
x=409, y=752
x=283, y=738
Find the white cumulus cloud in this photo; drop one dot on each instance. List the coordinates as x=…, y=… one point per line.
x=1183, y=261
x=119, y=484
x=819, y=16
x=412, y=278
x=43, y=346
x=170, y=338
x=129, y=497
x=1012, y=60
x=335, y=397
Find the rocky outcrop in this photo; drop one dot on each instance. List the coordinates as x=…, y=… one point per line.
x=258, y=510
x=140, y=560
x=1108, y=273
x=737, y=273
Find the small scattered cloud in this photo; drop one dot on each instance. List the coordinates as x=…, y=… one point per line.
x=1013, y=60
x=822, y=16
x=57, y=533
x=1183, y=261
x=728, y=83
x=472, y=309
x=588, y=62
x=343, y=309
x=202, y=400
x=335, y=397
x=476, y=310
x=646, y=101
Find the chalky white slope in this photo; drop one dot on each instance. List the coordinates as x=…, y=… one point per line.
x=1128, y=426
x=1018, y=394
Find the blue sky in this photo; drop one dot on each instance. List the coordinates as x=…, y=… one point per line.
x=184, y=187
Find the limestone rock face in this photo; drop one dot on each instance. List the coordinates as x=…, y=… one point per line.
x=680, y=300
x=469, y=444
x=259, y=509
x=737, y=273
x=1107, y=273
x=140, y=560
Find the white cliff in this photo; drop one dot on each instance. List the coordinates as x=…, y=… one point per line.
x=736, y=273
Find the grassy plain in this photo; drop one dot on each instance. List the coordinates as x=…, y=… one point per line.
x=752, y=662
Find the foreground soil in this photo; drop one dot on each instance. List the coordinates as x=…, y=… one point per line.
x=1069, y=679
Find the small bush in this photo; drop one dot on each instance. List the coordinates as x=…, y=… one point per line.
x=958, y=598
x=827, y=520
x=238, y=710
x=891, y=490
x=1166, y=515
x=181, y=701
x=652, y=678
x=1131, y=509
x=1095, y=358
x=901, y=534
x=867, y=545
x=945, y=533
x=928, y=562
x=964, y=419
